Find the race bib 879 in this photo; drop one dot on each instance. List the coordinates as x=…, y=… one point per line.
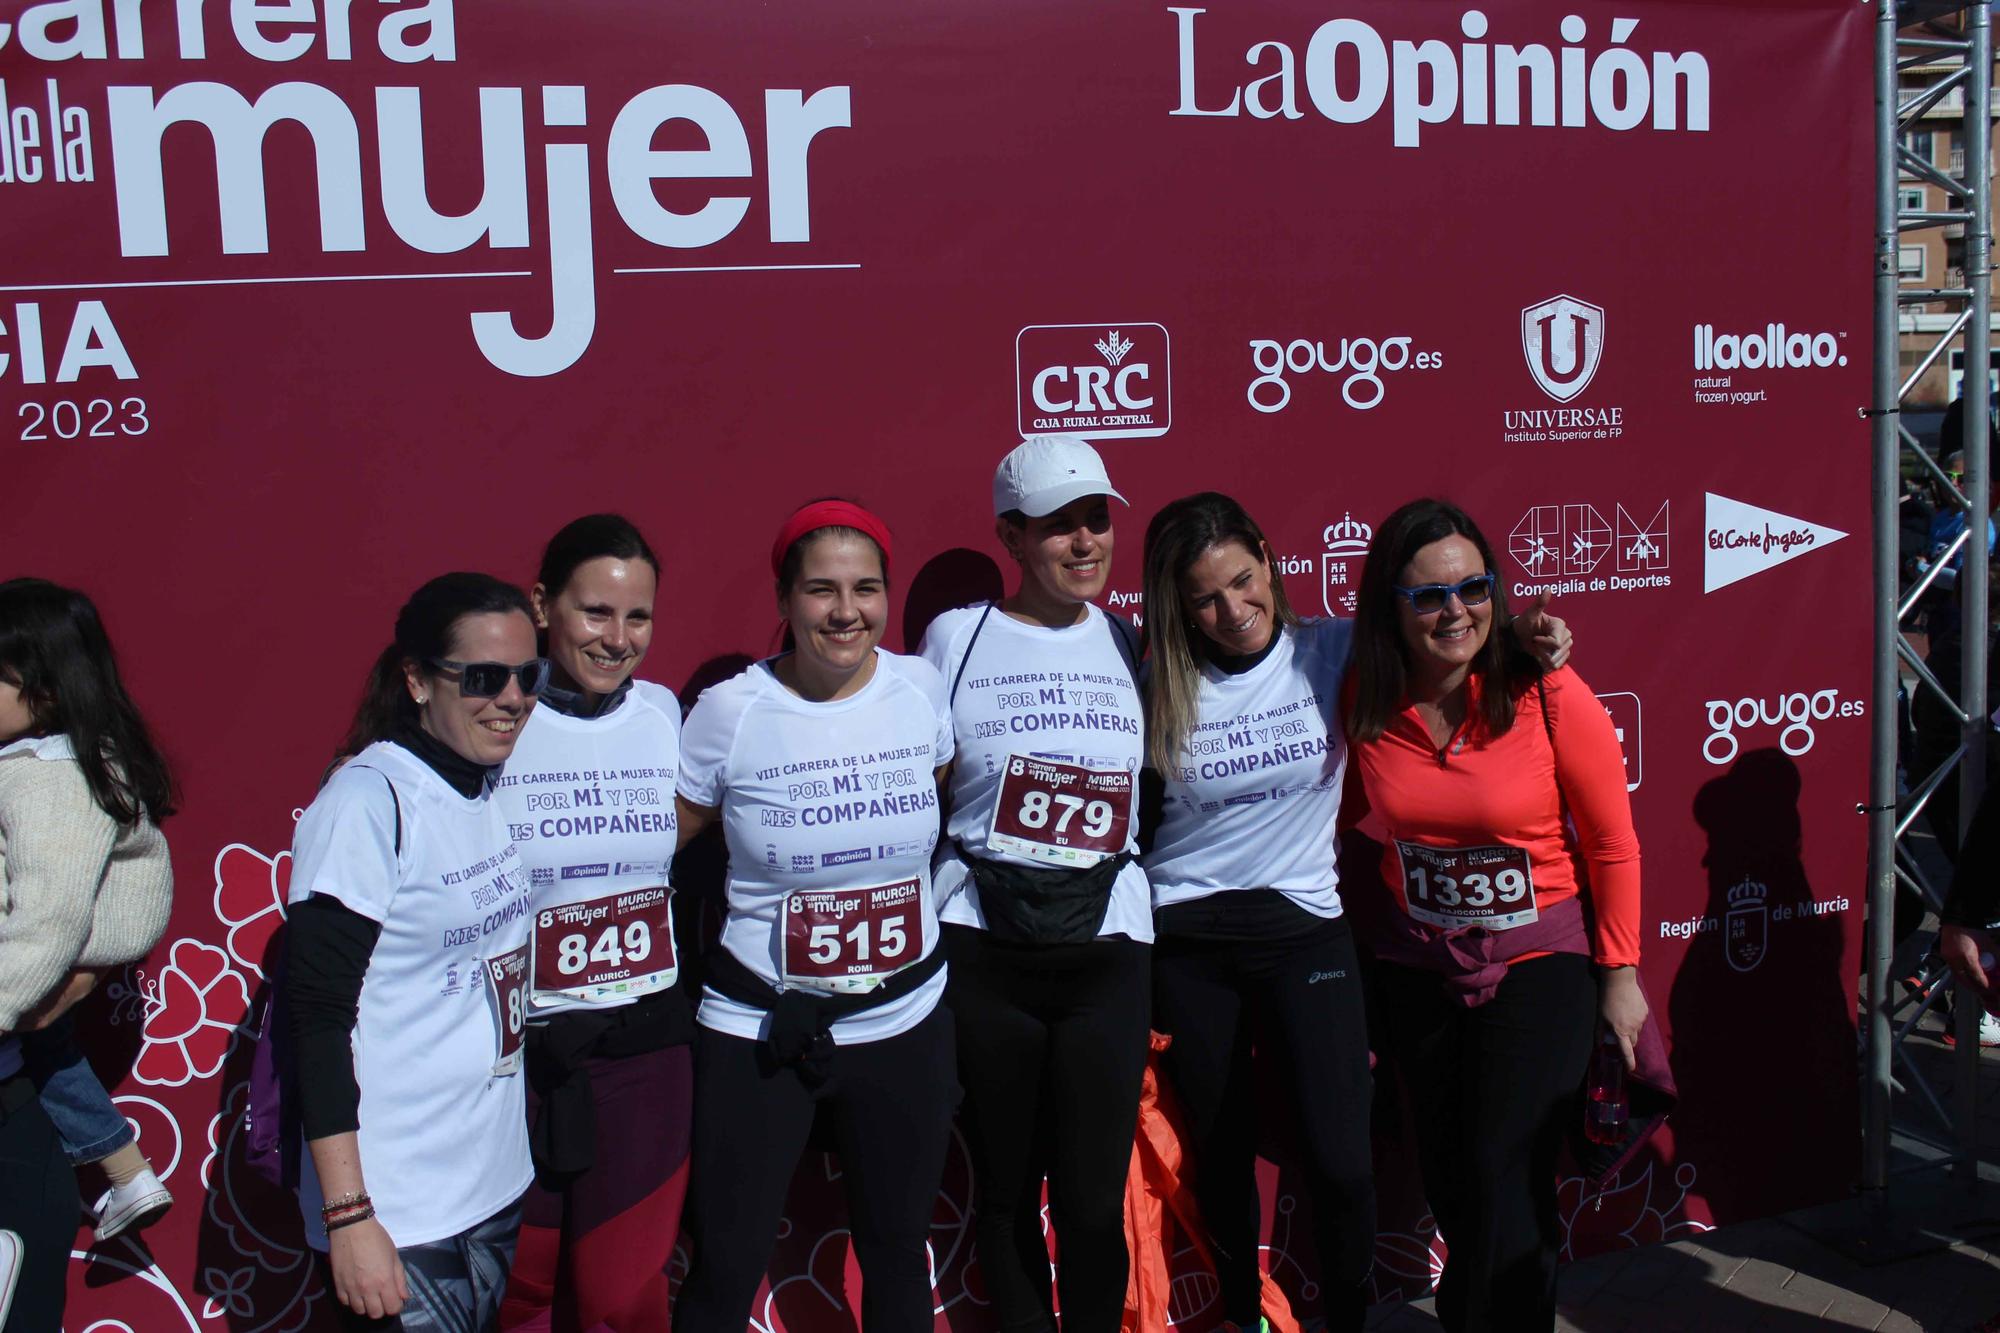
x=1060, y=813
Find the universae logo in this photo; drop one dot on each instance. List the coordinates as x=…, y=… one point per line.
x=1563, y=341
x=1103, y=381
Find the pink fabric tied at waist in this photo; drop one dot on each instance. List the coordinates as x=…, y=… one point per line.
x=1473, y=961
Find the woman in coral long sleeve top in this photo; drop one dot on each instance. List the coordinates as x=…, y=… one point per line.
x=1515, y=872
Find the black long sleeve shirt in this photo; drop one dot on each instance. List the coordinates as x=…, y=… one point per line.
x=327, y=948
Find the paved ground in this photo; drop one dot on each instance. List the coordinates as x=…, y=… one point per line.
x=1934, y=1267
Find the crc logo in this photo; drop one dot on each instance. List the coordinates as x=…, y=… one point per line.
x=1340, y=570
x=1101, y=381
x=1794, y=715
x=1363, y=360
x=1563, y=340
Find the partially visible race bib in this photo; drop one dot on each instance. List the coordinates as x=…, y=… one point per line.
x=845, y=940
x=1455, y=888
x=618, y=946
x=507, y=990
x=1060, y=813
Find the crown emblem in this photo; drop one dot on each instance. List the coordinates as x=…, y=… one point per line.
x=1113, y=347
x=1347, y=537
x=1749, y=893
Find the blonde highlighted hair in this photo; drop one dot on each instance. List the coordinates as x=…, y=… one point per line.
x=1175, y=539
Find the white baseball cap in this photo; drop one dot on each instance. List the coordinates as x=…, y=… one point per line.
x=1046, y=472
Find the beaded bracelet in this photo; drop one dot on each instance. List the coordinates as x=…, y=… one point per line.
x=344, y=1201
x=349, y=1219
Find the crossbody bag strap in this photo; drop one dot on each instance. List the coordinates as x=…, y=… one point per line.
x=959, y=675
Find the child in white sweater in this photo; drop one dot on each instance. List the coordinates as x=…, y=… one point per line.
x=85, y=882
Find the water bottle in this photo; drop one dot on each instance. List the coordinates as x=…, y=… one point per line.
x=1605, y=1109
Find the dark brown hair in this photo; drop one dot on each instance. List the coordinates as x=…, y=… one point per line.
x=54, y=650
x=424, y=630
x=1381, y=667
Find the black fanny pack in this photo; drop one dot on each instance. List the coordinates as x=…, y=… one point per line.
x=1033, y=905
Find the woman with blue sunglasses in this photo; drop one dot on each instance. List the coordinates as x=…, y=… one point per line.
x=1513, y=929
x=1253, y=949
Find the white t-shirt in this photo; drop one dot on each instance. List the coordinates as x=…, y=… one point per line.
x=590, y=803
x=816, y=798
x=443, y=1137
x=1254, y=802
x=1031, y=693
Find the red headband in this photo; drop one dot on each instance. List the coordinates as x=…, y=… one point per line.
x=828, y=514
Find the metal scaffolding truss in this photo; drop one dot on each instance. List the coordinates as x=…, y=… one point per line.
x=1930, y=59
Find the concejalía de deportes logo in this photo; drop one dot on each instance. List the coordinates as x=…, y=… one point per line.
x=1793, y=715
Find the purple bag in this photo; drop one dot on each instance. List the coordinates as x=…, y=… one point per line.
x=272, y=1134
x=273, y=1130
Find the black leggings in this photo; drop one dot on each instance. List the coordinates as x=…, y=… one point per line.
x=1492, y=1090
x=1052, y=1048
x=38, y=1202
x=890, y=1104
x=1297, y=1001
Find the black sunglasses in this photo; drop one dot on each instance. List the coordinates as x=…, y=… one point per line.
x=484, y=680
x=1429, y=598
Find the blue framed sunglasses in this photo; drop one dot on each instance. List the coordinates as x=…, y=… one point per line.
x=1430, y=598
x=485, y=680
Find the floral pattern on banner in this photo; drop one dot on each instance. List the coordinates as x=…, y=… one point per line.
x=271, y=1289
x=250, y=900
x=248, y=1270
x=193, y=1013
x=1642, y=1210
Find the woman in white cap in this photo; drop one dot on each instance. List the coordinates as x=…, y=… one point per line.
x=1047, y=920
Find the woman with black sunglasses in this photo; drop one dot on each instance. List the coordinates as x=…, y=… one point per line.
x=406, y=972
x=1514, y=872
x=589, y=794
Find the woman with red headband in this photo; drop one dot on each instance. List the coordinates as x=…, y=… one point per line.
x=822, y=765
x=1048, y=918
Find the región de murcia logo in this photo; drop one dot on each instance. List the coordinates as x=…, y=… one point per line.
x=1340, y=564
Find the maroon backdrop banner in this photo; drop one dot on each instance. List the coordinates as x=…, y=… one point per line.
x=302, y=303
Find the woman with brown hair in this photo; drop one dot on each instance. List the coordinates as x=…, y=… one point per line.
x=1514, y=869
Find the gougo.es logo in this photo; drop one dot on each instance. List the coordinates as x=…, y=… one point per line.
x=1364, y=360
x=1794, y=715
